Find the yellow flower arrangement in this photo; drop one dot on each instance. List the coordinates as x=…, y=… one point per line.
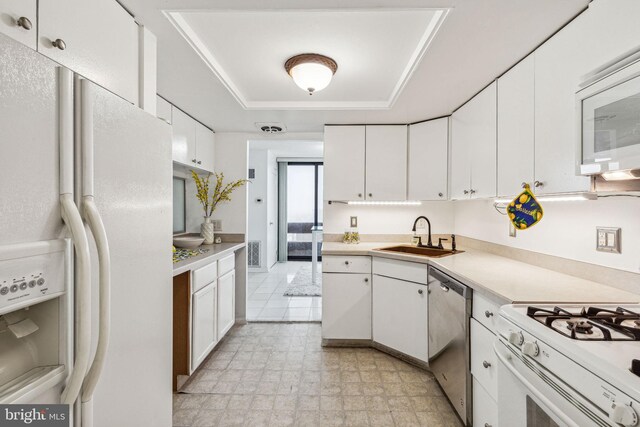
x=221, y=191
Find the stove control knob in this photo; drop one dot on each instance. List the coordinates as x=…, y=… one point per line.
x=623, y=414
x=516, y=338
x=530, y=349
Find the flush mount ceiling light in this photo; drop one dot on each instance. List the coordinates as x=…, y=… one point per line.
x=312, y=72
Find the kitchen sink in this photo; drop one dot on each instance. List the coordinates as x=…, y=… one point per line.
x=416, y=250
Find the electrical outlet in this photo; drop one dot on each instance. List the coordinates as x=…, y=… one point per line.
x=608, y=239
x=217, y=225
x=354, y=221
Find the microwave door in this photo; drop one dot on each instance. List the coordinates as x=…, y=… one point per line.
x=611, y=127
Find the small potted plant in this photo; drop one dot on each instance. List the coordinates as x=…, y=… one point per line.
x=221, y=193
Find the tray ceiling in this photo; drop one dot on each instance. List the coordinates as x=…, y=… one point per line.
x=377, y=51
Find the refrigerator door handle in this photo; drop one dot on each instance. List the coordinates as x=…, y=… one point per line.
x=92, y=216
x=73, y=220
x=93, y=219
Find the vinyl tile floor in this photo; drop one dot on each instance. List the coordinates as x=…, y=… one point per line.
x=266, y=300
x=278, y=374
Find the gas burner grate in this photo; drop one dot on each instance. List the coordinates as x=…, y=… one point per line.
x=590, y=323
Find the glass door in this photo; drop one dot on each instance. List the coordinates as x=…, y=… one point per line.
x=304, y=207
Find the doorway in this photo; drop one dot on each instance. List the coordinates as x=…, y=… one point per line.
x=304, y=208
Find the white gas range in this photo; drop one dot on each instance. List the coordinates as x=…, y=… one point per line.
x=570, y=365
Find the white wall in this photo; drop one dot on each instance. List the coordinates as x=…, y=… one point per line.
x=568, y=229
x=388, y=219
x=258, y=210
x=232, y=158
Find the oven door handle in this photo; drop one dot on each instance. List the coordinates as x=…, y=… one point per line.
x=504, y=360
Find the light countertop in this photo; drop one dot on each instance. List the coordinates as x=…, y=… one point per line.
x=502, y=279
x=215, y=252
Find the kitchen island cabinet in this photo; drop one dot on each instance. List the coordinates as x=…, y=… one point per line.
x=203, y=306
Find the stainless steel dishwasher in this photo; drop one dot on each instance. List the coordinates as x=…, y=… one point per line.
x=449, y=313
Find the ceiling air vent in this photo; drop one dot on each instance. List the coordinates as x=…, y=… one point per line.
x=271, y=127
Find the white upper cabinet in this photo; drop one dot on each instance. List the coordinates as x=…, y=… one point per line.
x=193, y=143
x=97, y=39
x=19, y=20
x=163, y=109
x=205, y=147
x=375, y=154
x=428, y=161
x=516, y=128
x=386, y=162
x=344, y=162
x=184, y=138
x=602, y=33
x=473, y=147
x=484, y=143
x=460, y=175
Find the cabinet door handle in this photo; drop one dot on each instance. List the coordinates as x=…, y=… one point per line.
x=193, y=160
x=420, y=291
x=538, y=184
x=487, y=425
x=199, y=162
x=359, y=194
x=366, y=280
x=523, y=185
x=472, y=191
x=486, y=364
x=370, y=195
x=488, y=314
x=24, y=22
x=440, y=194
x=59, y=43
x=466, y=191
x=346, y=263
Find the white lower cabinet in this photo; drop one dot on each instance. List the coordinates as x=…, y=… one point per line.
x=226, y=302
x=485, y=409
x=204, y=324
x=484, y=363
x=346, y=307
x=400, y=316
x=483, y=359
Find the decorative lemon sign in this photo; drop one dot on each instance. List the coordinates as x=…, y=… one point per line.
x=525, y=211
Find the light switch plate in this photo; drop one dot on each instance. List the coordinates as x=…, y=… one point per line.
x=354, y=221
x=608, y=239
x=217, y=225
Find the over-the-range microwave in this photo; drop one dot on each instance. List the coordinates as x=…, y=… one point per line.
x=608, y=118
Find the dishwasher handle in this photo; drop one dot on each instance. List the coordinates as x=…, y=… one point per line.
x=448, y=283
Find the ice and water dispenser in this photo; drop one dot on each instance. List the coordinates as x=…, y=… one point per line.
x=36, y=313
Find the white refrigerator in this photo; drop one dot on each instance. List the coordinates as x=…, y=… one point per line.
x=85, y=202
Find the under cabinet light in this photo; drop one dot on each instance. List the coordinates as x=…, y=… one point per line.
x=387, y=203
x=621, y=175
x=556, y=198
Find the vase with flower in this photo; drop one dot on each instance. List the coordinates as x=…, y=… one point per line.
x=209, y=197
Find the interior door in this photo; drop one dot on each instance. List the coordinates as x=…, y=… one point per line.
x=133, y=192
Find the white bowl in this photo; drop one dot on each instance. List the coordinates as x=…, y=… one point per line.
x=187, y=242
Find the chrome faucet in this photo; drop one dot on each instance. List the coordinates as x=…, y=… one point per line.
x=429, y=242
